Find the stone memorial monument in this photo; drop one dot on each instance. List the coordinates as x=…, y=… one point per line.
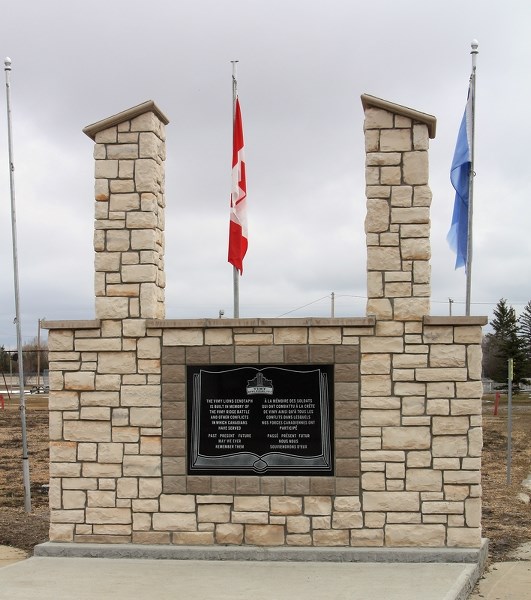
x=345, y=433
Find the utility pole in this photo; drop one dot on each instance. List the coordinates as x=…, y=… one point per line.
x=38, y=355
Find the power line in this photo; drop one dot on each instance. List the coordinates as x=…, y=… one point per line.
x=304, y=306
x=493, y=303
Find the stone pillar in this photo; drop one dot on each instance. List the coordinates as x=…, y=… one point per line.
x=398, y=210
x=129, y=214
x=420, y=392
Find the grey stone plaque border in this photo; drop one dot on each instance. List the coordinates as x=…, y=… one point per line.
x=346, y=424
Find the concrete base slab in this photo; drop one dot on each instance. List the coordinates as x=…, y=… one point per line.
x=254, y=553
x=120, y=579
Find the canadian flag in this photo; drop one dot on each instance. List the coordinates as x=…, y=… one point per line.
x=238, y=201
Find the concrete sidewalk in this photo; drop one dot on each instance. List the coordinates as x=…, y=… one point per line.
x=505, y=581
x=10, y=555
x=508, y=580
x=58, y=578
x=122, y=579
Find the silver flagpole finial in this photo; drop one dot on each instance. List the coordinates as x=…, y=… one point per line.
x=7, y=63
x=234, y=69
x=474, y=52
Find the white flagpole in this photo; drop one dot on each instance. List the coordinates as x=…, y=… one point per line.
x=22, y=401
x=235, y=273
x=474, y=53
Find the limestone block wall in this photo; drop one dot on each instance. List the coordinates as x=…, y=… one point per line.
x=118, y=447
x=421, y=434
x=407, y=387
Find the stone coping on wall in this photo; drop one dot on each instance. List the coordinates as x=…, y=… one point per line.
x=255, y=322
x=86, y=324
x=125, y=115
x=428, y=320
x=258, y=322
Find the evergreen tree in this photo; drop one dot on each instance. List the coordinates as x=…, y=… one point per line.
x=4, y=360
x=524, y=324
x=503, y=344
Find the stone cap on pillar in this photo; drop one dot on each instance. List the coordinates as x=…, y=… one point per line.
x=125, y=115
x=369, y=101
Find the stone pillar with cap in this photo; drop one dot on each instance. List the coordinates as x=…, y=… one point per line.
x=397, y=225
x=129, y=213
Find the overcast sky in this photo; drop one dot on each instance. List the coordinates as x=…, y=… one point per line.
x=303, y=66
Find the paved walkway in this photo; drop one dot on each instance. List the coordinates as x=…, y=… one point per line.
x=9, y=555
x=55, y=578
x=506, y=581
x=59, y=578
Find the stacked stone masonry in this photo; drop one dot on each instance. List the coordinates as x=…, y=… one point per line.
x=407, y=386
x=129, y=214
x=118, y=439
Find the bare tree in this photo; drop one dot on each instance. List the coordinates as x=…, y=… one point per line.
x=32, y=360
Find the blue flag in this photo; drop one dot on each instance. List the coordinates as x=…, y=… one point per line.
x=460, y=174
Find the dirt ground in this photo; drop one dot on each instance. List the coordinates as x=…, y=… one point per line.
x=506, y=518
x=18, y=528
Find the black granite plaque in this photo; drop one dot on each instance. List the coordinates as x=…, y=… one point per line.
x=249, y=420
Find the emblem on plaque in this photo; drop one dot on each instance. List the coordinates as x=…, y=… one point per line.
x=259, y=385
